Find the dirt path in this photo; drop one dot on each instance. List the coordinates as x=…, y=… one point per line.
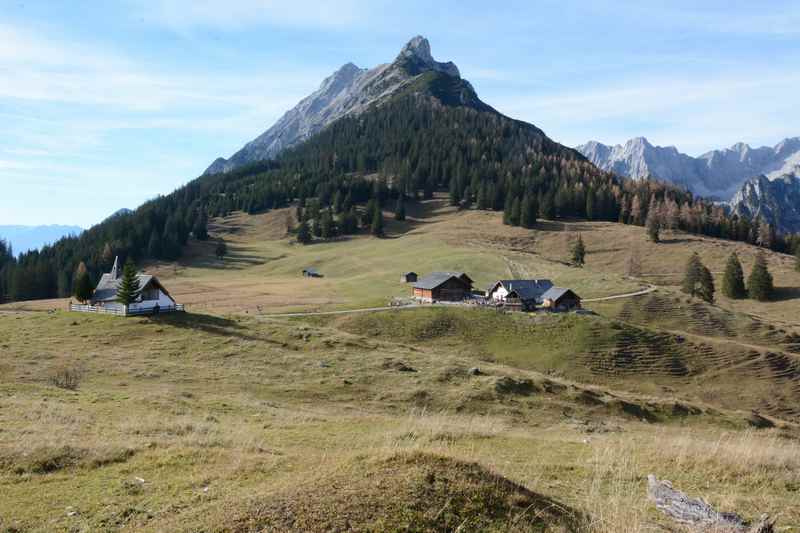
x=347, y=311
x=648, y=290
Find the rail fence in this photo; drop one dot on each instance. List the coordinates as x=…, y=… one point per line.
x=124, y=311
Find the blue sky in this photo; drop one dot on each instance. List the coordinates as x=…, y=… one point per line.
x=108, y=105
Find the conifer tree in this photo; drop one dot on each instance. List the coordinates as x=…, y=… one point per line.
x=303, y=233
x=528, y=211
x=128, y=289
x=400, y=208
x=377, y=222
x=82, y=284
x=455, y=196
x=760, y=284
x=547, y=208
x=467, y=201
x=327, y=226
x=316, y=226
x=515, y=212
x=108, y=256
x=348, y=222
x=578, y=252
x=653, y=226
x=200, y=229
x=698, y=281
x=221, y=250
x=154, y=245
x=482, y=200
x=507, y=208
x=733, y=281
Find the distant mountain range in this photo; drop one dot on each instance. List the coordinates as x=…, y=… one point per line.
x=717, y=174
x=25, y=238
x=777, y=201
x=348, y=91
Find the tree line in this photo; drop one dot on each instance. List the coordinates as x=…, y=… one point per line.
x=343, y=178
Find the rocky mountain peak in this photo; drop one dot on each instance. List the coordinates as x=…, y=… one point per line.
x=777, y=201
x=351, y=90
x=416, y=58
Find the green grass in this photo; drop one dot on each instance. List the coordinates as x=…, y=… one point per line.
x=225, y=419
x=217, y=414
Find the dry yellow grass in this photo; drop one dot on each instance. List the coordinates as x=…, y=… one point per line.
x=204, y=421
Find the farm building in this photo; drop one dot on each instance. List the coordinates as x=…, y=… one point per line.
x=560, y=299
x=409, y=277
x=151, y=298
x=523, y=292
x=311, y=273
x=443, y=286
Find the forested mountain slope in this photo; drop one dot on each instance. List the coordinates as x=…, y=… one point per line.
x=432, y=133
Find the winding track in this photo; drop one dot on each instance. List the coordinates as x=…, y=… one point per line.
x=648, y=290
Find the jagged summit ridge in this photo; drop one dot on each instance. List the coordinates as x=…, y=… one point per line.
x=777, y=201
x=349, y=90
x=418, y=51
x=718, y=173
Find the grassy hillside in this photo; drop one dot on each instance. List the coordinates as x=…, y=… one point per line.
x=213, y=423
x=228, y=419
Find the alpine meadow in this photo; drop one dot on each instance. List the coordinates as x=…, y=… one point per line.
x=399, y=307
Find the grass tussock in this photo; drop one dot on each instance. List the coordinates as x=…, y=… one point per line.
x=412, y=491
x=48, y=459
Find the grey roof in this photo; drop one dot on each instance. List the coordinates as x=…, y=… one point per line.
x=526, y=289
x=106, y=290
x=434, y=279
x=555, y=293
x=311, y=270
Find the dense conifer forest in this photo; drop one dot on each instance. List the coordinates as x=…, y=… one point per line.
x=401, y=150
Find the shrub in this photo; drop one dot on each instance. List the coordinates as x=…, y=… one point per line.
x=66, y=377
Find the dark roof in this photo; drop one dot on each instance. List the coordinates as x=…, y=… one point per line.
x=435, y=279
x=526, y=289
x=556, y=293
x=106, y=290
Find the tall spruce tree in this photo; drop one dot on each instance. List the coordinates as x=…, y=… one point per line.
x=698, y=281
x=128, y=289
x=507, y=209
x=82, y=284
x=200, y=229
x=760, y=284
x=578, y=252
x=154, y=245
x=327, y=225
x=516, y=212
x=377, y=222
x=528, y=211
x=303, y=233
x=653, y=226
x=221, y=250
x=733, y=281
x=400, y=208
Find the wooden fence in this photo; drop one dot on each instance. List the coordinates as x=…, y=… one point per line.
x=124, y=311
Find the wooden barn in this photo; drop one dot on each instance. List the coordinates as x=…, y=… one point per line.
x=409, y=277
x=560, y=299
x=443, y=286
